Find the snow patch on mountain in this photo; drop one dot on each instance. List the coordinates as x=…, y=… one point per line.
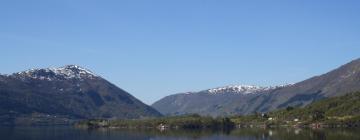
x=243, y=89
x=73, y=71
x=65, y=72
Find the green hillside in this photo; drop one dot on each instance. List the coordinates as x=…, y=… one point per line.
x=343, y=110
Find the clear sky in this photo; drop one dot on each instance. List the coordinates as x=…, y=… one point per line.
x=154, y=48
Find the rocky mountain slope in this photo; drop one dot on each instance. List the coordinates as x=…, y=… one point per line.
x=241, y=100
x=60, y=95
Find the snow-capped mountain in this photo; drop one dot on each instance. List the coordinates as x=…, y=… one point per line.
x=227, y=100
x=242, y=99
x=61, y=73
x=64, y=94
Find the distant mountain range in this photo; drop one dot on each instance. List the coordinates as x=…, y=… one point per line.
x=70, y=93
x=60, y=95
x=242, y=99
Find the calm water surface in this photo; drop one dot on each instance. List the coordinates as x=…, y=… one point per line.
x=70, y=133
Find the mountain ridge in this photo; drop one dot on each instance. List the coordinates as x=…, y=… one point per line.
x=344, y=79
x=67, y=71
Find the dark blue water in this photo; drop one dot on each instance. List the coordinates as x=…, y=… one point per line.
x=71, y=133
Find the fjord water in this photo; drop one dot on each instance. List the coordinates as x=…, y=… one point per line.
x=71, y=133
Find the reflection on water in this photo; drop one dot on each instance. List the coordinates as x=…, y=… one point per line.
x=70, y=133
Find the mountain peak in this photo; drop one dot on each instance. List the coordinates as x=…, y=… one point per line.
x=64, y=72
x=72, y=66
x=73, y=69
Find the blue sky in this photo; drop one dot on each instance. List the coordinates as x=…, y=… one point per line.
x=161, y=47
